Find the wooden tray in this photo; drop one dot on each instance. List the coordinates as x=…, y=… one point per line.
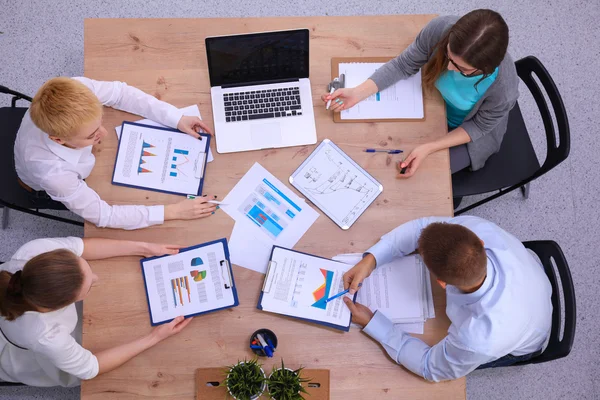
x=208, y=384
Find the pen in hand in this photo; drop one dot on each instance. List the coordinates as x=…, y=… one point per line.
x=329, y=101
x=340, y=294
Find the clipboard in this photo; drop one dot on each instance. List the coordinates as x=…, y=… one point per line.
x=356, y=212
x=335, y=72
x=200, y=162
x=266, y=283
x=224, y=269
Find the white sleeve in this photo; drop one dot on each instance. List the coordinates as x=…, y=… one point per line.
x=446, y=360
x=78, y=197
x=127, y=98
x=58, y=346
x=40, y=246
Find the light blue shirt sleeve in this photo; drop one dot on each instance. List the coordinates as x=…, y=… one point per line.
x=402, y=240
x=446, y=360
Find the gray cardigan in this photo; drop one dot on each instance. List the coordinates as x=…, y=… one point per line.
x=486, y=123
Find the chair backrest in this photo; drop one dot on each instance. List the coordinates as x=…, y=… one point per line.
x=556, y=153
x=16, y=95
x=548, y=250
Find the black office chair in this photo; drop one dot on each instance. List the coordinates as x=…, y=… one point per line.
x=12, y=195
x=516, y=164
x=548, y=250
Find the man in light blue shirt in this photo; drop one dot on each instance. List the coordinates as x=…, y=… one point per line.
x=498, y=296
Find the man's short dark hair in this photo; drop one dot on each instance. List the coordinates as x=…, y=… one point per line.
x=453, y=253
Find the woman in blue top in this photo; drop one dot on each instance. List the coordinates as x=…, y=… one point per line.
x=465, y=59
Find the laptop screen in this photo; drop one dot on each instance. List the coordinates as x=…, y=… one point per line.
x=257, y=57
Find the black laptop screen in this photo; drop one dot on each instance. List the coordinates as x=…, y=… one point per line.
x=257, y=57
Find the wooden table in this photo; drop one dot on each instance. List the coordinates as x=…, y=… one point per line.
x=166, y=58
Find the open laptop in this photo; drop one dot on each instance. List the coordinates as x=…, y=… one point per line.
x=260, y=90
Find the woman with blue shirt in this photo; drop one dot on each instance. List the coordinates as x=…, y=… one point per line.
x=465, y=59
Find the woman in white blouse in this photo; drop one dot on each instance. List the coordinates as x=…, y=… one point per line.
x=38, y=290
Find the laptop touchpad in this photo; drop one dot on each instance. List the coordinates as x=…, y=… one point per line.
x=266, y=135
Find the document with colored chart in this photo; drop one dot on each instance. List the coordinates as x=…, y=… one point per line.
x=160, y=159
x=266, y=213
x=197, y=280
x=297, y=285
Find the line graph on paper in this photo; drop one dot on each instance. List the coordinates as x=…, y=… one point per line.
x=335, y=184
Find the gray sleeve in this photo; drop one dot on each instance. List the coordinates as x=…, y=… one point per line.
x=416, y=54
x=497, y=105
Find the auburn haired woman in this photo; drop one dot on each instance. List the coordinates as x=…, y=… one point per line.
x=465, y=59
x=38, y=290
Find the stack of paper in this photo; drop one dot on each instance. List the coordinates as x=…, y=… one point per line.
x=266, y=213
x=400, y=289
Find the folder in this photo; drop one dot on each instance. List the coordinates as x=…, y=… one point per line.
x=196, y=281
x=160, y=159
x=314, y=279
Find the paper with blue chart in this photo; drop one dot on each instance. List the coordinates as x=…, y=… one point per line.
x=336, y=184
x=267, y=213
x=402, y=100
x=160, y=159
x=298, y=284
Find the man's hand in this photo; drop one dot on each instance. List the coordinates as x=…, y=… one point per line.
x=192, y=125
x=358, y=273
x=361, y=315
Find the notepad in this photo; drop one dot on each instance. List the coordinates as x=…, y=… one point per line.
x=160, y=159
x=402, y=100
x=297, y=285
x=197, y=280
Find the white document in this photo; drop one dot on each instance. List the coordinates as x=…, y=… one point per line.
x=153, y=158
x=192, y=111
x=401, y=290
x=404, y=99
x=336, y=184
x=298, y=284
x=188, y=283
x=267, y=213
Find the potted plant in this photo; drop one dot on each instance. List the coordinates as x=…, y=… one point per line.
x=246, y=380
x=286, y=384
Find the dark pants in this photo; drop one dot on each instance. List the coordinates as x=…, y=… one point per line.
x=509, y=359
x=459, y=158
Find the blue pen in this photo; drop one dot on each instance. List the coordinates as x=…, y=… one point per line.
x=255, y=347
x=383, y=151
x=270, y=344
x=340, y=294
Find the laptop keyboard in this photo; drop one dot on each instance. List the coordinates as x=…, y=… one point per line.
x=259, y=104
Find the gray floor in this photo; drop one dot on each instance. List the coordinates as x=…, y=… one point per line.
x=39, y=40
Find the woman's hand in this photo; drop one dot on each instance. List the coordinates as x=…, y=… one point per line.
x=413, y=161
x=156, y=249
x=342, y=99
x=190, y=209
x=164, y=331
x=192, y=125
